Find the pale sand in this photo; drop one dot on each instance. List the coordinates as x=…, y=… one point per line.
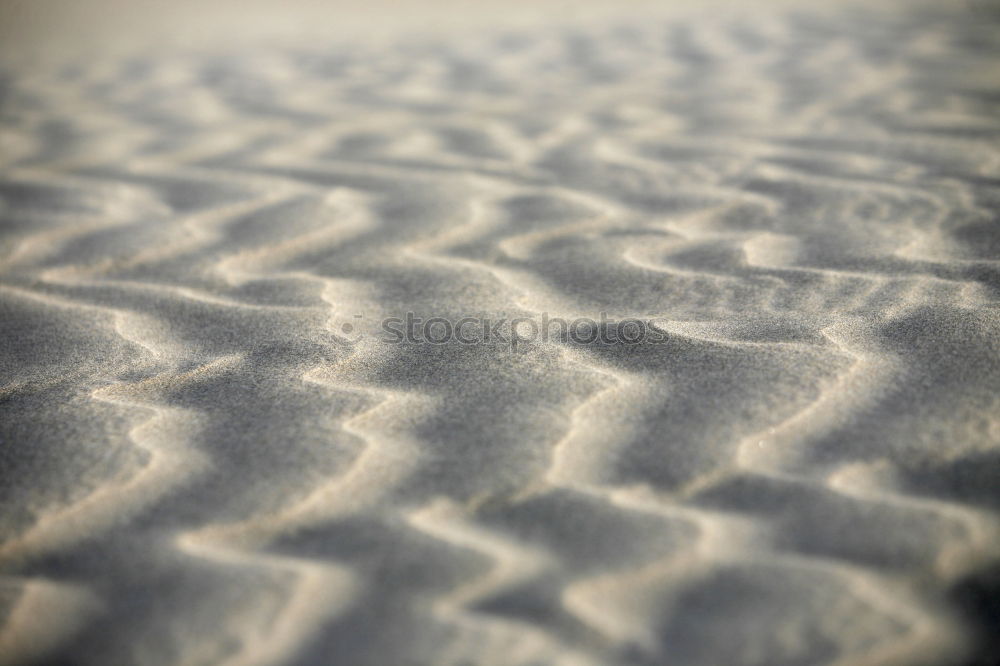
x=199, y=466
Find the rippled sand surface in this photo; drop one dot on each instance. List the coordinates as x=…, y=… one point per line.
x=199, y=465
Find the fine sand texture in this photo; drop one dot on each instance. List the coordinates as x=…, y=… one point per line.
x=212, y=455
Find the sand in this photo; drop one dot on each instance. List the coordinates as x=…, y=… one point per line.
x=210, y=452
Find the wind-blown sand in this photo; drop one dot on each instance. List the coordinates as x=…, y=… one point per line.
x=199, y=464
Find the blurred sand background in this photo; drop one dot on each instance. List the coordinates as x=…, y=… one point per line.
x=199, y=465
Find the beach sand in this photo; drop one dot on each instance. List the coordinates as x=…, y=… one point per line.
x=211, y=452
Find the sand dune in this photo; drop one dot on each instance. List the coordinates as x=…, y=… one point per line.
x=212, y=454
